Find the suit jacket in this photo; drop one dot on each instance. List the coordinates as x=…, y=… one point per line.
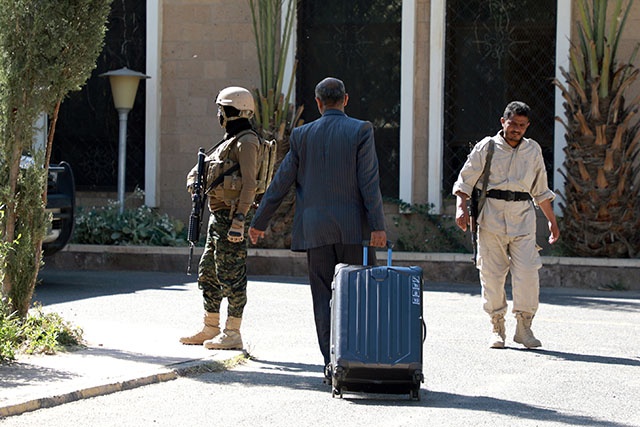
x=332, y=162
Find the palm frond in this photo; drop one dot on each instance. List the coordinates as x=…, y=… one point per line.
x=601, y=170
x=623, y=19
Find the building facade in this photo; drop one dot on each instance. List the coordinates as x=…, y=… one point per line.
x=433, y=76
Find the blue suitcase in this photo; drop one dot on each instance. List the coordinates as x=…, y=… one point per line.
x=377, y=329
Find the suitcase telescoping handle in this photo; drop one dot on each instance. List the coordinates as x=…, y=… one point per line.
x=365, y=252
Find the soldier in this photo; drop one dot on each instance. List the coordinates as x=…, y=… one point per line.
x=517, y=180
x=222, y=270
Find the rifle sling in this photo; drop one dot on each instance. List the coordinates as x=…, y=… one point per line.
x=233, y=168
x=219, y=179
x=485, y=176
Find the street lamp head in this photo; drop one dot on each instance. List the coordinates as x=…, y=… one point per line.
x=124, y=85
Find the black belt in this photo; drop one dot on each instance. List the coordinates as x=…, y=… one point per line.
x=509, y=196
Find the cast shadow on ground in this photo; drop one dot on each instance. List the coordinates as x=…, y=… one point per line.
x=297, y=376
x=628, y=301
x=510, y=408
x=22, y=374
x=586, y=358
x=56, y=286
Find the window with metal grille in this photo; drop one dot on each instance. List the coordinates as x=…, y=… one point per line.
x=87, y=129
x=357, y=41
x=497, y=51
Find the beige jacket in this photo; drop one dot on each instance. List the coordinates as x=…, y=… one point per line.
x=515, y=169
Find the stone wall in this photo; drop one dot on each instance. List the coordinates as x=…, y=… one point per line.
x=595, y=273
x=207, y=45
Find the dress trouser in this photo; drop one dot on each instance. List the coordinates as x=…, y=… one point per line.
x=321, y=262
x=499, y=254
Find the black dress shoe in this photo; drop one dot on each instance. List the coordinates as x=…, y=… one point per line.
x=327, y=374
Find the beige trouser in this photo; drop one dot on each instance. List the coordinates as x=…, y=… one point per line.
x=499, y=254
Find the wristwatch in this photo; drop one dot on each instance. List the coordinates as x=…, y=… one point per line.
x=239, y=217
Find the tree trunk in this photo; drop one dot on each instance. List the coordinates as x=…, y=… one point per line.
x=9, y=234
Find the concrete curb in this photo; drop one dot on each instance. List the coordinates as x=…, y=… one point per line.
x=85, y=393
x=438, y=267
x=163, y=375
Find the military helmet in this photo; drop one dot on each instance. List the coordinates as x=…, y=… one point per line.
x=239, y=98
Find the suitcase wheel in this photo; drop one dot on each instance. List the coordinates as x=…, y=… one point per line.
x=415, y=393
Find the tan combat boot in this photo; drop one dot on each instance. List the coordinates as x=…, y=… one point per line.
x=211, y=329
x=498, y=334
x=229, y=339
x=524, y=335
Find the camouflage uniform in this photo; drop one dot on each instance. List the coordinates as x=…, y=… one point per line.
x=230, y=182
x=222, y=272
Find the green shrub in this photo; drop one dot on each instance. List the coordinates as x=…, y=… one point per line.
x=48, y=332
x=38, y=333
x=10, y=331
x=417, y=229
x=105, y=225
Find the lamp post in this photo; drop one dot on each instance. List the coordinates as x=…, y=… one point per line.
x=124, y=85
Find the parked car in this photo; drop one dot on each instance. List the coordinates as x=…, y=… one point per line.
x=61, y=202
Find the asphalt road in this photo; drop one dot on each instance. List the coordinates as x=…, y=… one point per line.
x=587, y=373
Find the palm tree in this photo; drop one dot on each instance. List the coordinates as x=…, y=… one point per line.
x=601, y=203
x=276, y=116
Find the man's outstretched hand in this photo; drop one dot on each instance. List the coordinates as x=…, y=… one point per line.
x=255, y=234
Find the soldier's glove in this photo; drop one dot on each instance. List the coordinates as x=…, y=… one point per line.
x=236, y=232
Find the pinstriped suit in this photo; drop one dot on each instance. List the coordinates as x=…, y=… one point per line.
x=332, y=162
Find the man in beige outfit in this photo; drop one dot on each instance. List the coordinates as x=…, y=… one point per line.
x=507, y=222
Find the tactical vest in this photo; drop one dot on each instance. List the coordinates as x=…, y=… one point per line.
x=224, y=171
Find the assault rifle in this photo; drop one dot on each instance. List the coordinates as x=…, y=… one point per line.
x=197, y=207
x=478, y=197
x=473, y=223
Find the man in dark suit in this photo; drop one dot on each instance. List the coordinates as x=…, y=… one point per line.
x=332, y=162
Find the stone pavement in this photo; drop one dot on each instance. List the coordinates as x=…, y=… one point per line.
x=121, y=353
x=586, y=373
x=38, y=382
